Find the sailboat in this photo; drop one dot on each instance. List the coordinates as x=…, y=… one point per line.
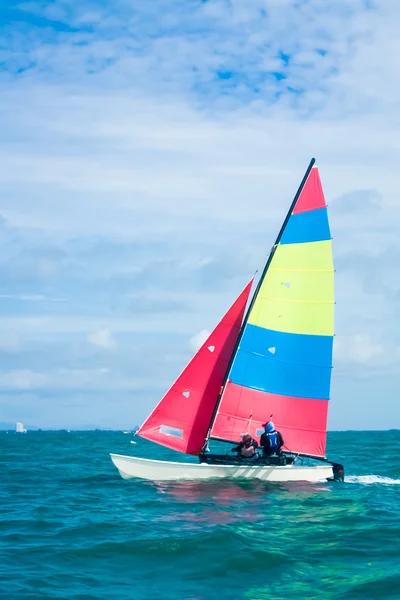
x=275, y=361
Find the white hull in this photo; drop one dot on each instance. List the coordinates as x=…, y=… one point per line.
x=158, y=470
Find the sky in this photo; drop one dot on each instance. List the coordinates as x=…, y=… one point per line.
x=149, y=152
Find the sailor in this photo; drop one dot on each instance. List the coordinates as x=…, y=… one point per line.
x=271, y=441
x=247, y=447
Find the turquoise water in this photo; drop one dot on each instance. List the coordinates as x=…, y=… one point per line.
x=71, y=528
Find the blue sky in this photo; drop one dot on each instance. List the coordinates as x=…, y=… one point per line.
x=148, y=155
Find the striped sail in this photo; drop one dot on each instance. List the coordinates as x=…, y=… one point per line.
x=283, y=363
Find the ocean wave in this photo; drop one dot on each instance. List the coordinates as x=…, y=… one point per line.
x=371, y=479
x=71, y=527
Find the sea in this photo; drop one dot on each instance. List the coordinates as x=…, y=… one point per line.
x=72, y=528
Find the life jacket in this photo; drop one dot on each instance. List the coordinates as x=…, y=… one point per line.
x=273, y=440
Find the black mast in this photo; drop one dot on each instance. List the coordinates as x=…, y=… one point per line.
x=271, y=256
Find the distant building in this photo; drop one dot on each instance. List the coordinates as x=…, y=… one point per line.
x=19, y=428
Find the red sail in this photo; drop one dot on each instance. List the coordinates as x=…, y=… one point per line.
x=182, y=418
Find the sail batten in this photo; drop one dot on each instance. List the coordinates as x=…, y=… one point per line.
x=282, y=365
x=298, y=301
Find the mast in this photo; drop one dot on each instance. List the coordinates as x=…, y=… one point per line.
x=270, y=257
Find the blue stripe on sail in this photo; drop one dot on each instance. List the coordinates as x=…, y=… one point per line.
x=287, y=379
x=292, y=347
x=310, y=226
x=284, y=363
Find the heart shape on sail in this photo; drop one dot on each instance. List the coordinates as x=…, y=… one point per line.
x=186, y=393
x=211, y=348
x=272, y=350
x=286, y=284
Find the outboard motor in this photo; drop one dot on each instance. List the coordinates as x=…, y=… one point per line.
x=338, y=472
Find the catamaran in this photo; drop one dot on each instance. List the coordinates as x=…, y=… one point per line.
x=275, y=360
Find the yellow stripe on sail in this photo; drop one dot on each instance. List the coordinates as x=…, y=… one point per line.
x=310, y=318
x=312, y=256
x=297, y=294
x=316, y=286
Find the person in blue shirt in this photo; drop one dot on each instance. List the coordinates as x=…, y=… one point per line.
x=271, y=441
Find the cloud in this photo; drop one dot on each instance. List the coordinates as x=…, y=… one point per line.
x=9, y=341
x=198, y=339
x=358, y=348
x=149, y=173
x=32, y=298
x=67, y=379
x=102, y=339
x=358, y=201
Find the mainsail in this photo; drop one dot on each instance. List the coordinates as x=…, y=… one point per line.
x=283, y=361
x=182, y=418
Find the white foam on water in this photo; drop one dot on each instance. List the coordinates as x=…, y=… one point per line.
x=371, y=479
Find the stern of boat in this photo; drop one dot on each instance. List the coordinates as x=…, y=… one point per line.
x=338, y=472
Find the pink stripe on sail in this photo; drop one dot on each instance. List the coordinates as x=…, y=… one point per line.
x=312, y=195
x=302, y=421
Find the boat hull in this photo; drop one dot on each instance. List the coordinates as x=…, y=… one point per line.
x=158, y=470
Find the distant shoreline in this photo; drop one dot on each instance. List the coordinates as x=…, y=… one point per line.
x=120, y=429
x=11, y=427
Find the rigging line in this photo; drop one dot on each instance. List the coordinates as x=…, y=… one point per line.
x=288, y=362
x=297, y=301
x=287, y=270
x=313, y=430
